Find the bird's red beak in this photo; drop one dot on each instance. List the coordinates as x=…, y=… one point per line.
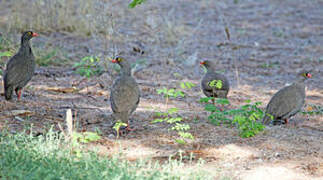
x=35, y=34
x=202, y=62
x=114, y=61
x=309, y=75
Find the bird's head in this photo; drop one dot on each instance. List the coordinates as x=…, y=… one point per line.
x=306, y=75
x=28, y=35
x=123, y=63
x=208, y=64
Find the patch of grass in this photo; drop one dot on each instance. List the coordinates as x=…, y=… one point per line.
x=47, y=157
x=50, y=56
x=243, y=118
x=80, y=17
x=89, y=66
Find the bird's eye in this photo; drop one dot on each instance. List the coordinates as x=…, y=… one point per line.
x=29, y=33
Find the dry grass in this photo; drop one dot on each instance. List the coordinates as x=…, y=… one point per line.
x=269, y=43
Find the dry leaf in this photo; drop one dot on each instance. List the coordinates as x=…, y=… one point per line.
x=63, y=90
x=19, y=113
x=309, y=108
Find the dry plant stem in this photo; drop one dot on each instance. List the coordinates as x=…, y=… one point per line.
x=227, y=33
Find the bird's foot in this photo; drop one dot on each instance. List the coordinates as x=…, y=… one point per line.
x=125, y=130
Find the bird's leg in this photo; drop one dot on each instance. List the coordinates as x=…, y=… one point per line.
x=18, y=93
x=213, y=101
x=129, y=129
x=286, y=121
x=221, y=107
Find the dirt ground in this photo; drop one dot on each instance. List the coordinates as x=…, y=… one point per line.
x=270, y=42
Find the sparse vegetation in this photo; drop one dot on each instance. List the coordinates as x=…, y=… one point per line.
x=244, y=118
x=48, y=157
x=258, y=52
x=89, y=66
x=171, y=116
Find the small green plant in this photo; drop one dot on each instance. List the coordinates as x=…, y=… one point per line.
x=171, y=116
x=244, y=118
x=88, y=66
x=86, y=137
x=117, y=127
x=50, y=56
x=172, y=92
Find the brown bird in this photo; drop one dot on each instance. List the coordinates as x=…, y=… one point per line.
x=20, y=68
x=211, y=75
x=287, y=102
x=125, y=93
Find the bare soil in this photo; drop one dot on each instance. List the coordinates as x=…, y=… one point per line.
x=270, y=41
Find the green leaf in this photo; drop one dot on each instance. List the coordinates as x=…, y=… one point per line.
x=210, y=107
x=180, y=141
x=186, y=135
x=216, y=83
x=183, y=85
x=5, y=54
x=119, y=124
x=134, y=3
x=248, y=101
x=159, y=120
x=179, y=93
x=222, y=101
x=172, y=110
x=173, y=120
x=206, y=99
x=180, y=127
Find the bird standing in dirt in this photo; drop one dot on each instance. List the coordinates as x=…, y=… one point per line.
x=125, y=93
x=287, y=102
x=211, y=76
x=20, y=68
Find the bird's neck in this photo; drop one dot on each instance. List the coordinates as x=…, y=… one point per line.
x=25, y=47
x=126, y=71
x=300, y=80
x=210, y=69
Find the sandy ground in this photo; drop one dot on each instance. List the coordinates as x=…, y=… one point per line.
x=270, y=42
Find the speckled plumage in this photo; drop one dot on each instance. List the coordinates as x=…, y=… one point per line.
x=210, y=76
x=125, y=93
x=286, y=102
x=20, y=68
